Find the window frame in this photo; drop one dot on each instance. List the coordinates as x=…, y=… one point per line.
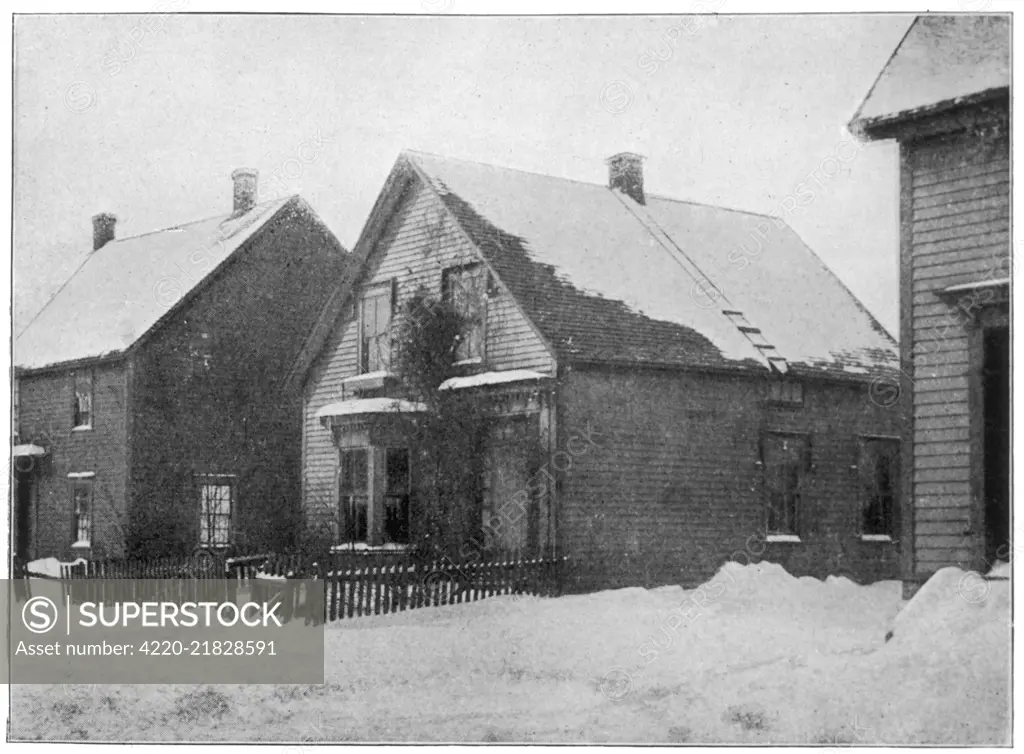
x=778, y=387
x=203, y=481
x=804, y=469
x=375, y=292
x=78, y=377
x=352, y=496
x=895, y=481
x=76, y=484
x=456, y=274
x=405, y=498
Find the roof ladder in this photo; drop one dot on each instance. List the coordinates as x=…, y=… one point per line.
x=757, y=339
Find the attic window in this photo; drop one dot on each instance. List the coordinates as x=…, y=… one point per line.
x=466, y=289
x=375, y=310
x=786, y=392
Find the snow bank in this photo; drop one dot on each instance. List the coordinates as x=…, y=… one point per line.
x=951, y=605
x=754, y=656
x=50, y=566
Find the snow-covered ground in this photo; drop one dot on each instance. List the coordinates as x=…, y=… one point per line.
x=753, y=656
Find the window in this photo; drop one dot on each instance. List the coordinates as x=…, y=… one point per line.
x=787, y=392
x=465, y=288
x=880, y=478
x=216, y=495
x=786, y=462
x=353, y=488
x=82, y=406
x=396, y=496
x=375, y=324
x=81, y=502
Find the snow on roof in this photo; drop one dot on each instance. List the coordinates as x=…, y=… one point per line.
x=606, y=279
x=492, y=378
x=369, y=406
x=123, y=288
x=941, y=58
x=20, y=451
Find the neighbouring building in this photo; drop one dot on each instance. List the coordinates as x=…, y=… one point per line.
x=150, y=409
x=693, y=382
x=944, y=96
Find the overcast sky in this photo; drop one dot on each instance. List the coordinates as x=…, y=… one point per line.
x=148, y=123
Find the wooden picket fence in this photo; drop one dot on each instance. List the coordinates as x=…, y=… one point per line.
x=354, y=584
x=384, y=583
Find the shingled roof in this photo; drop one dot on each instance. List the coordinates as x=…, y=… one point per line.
x=124, y=288
x=606, y=279
x=941, y=62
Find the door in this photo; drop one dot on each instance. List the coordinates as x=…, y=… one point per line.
x=995, y=386
x=24, y=482
x=510, y=503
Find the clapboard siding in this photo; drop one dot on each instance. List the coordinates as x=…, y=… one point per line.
x=419, y=242
x=956, y=220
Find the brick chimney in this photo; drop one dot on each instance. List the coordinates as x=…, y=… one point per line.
x=103, y=226
x=245, y=189
x=626, y=173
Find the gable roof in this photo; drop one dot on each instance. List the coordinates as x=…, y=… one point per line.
x=604, y=279
x=607, y=279
x=942, y=61
x=124, y=288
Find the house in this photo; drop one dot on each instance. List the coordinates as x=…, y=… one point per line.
x=672, y=384
x=944, y=96
x=151, y=415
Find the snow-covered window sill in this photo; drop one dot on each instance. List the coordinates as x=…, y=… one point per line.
x=81, y=544
x=875, y=538
x=82, y=428
x=81, y=475
x=364, y=547
x=782, y=538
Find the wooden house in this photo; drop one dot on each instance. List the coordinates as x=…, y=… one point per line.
x=944, y=96
x=695, y=384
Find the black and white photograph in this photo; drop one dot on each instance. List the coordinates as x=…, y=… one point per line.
x=448, y=372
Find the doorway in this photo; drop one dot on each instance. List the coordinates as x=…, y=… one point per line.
x=995, y=386
x=23, y=494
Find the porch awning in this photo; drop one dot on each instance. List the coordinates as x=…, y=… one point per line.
x=23, y=451
x=492, y=378
x=366, y=406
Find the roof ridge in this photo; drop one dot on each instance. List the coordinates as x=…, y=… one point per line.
x=226, y=216
x=260, y=216
x=721, y=207
x=663, y=197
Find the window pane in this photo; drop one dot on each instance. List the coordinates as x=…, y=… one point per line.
x=83, y=399
x=466, y=289
x=880, y=480
x=354, y=471
x=397, y=471
x=383, y=317
x=82, y=495
x=785, y=465
x=214, y=514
